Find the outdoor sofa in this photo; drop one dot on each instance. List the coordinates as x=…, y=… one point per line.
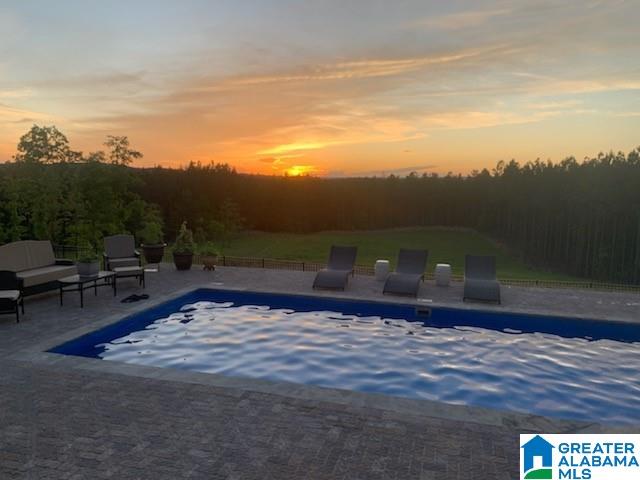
x=35, y=265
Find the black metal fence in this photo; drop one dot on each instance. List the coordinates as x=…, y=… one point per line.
x=251, y=262
x=74, y=252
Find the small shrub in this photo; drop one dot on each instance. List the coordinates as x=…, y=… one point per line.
x=208, y=249
x=184, y=241
x=88, y=258
x=151, y=233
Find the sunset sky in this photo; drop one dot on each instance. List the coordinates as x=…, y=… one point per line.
x=329, y=88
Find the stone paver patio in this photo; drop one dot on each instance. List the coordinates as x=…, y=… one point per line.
x=68, y=417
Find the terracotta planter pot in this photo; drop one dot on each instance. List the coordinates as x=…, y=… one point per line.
x=182, y=261
x=153, y=253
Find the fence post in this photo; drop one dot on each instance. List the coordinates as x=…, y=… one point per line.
x=224, y=260
x=303, y=266
x=263, y=263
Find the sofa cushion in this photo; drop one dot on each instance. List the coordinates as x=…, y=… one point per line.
x=40, y=253
x=26, y=255
x=12, y=295
x=38, y=276
x=14, y=257
x=123, y=262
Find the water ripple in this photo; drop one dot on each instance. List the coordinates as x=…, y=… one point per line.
x=538, y=373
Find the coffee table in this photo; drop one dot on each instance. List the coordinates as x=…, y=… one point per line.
x=78, y=283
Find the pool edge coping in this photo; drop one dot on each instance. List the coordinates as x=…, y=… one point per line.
x=39, y=355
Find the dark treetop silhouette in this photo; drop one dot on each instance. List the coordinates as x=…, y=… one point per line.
x=582, y=218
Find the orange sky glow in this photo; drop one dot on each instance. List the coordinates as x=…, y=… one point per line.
x=366, y=88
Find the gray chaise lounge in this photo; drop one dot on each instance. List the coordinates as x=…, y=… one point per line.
x=341, y=264
x=120, y=251
x=409, y=273
x=35, y=265
x=480, y=282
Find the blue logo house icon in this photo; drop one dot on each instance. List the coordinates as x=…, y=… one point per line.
x=538, y=447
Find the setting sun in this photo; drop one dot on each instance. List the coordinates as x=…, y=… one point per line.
x=430, y=87
x=298, y=170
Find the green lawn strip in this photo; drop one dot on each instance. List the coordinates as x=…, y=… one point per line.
x=444, y=245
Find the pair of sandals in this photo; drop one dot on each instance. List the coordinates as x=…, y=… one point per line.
x=134, y=298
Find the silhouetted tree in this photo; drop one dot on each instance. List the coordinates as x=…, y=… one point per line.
x=44, y=145
x=120, y=152
x=581, y=218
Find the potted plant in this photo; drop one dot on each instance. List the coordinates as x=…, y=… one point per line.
x=209, y=253
x=88, y=265
x=151, y=241
x=183, y=248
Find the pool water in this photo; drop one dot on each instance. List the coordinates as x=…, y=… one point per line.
x=556, y=367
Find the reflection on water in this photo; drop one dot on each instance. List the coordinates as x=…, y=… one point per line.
x=537, y=373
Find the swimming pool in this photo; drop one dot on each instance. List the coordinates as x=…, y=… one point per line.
x=569, y=368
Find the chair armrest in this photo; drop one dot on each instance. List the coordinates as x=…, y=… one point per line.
x=9, y=280
x=64, y=261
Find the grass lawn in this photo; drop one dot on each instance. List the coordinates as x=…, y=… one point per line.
x=444, y=245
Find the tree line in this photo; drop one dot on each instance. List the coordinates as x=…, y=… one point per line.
x=578, y=217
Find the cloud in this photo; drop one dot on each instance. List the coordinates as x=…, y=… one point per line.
x=554, y=105
x=10, y=114
x=477, y=119
x=94, y=81
x=459, y=20
x=354, y=69
x=294, y=147
x=16, y=93
x=285, y=92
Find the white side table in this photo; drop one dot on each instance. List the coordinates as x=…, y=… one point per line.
x=442, y=274
x=382, y=270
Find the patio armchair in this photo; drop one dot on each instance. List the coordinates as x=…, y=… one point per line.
x=341, y=264
x=480, y=282
x=409, y=273
x=120, y=251
x=11, y=293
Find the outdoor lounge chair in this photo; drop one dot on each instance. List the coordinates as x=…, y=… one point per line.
x=409, y=273
x=10, y=293
x=341, y=263
x=480, y=281
x=120, y=251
